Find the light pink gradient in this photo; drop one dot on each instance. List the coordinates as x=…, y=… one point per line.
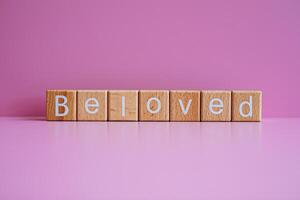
x=145, y=161
x=165, y=44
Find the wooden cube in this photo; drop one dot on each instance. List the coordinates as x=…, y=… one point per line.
x=92, y=105
x=123, y=105
x=154, y=105
x=184, y=105
x=246, y=105
x=215, y=105
x=61, y=105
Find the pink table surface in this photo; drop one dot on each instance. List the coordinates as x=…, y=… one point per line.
x=122, y=160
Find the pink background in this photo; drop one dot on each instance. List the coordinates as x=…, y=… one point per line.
x=165, y=44
x=41, y=160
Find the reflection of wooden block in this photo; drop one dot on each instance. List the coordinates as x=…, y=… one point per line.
x=154, y=105
x=61, y=104
x=215, y=105
x=123, y=105
x=184, y=105
x=246, y=105
x=92, y=105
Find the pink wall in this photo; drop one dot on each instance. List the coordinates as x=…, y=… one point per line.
x=118, y=44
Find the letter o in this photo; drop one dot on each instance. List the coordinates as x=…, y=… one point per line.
x=158, y=105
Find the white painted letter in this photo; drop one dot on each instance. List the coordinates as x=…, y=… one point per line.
x=250, y=113
x=123, y=106
x=158, y=105
x=63, y=104
x=94, y=104
x=219, y=105
x=185, y=110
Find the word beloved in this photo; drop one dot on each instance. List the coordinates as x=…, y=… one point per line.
x=153, y=105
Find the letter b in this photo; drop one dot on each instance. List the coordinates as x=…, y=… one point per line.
x=63, y=104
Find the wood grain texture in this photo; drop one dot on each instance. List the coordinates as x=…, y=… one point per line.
x=238, y=97
x=116, y=111
x=162, y=114
x=206, y=98
x=184, y=105
x=86, y=96
x=70, y=95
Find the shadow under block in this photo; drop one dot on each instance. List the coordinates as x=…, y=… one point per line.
x=184, y=105
x=246, y=105
x=92, y=105
x=61, y=105
x=215, y=105
x=123, y=105
x=154, y=105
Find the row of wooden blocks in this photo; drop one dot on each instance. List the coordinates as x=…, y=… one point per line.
x=154, y=105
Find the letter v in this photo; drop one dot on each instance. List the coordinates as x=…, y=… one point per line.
x=185, y=110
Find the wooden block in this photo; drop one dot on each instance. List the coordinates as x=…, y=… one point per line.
x=154, y=105
x=92, y=105
x=246, y=105
x=123, y=105
x=61, y=105
x=215, y=105
x=184, y=105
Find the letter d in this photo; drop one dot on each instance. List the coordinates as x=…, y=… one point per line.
x=250, y=113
